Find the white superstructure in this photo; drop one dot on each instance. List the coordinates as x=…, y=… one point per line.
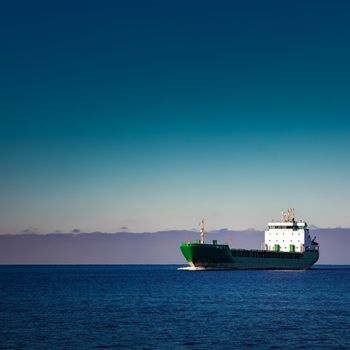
x=289, y=235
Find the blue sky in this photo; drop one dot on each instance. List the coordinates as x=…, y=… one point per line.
x=152, y=115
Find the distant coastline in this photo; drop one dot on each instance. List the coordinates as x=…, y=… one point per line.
x=144, y=248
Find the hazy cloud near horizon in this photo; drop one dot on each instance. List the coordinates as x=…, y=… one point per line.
x=30, y=230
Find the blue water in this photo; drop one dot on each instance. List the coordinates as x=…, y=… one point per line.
x=159, y=307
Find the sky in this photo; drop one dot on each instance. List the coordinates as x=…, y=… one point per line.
x=150, y=115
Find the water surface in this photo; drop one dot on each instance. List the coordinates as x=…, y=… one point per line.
x=161, y=307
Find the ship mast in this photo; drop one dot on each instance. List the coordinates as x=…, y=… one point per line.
x=202, y=231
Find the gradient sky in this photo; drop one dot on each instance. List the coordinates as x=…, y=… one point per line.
x=153, y=114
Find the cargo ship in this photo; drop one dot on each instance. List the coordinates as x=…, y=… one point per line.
x=287, y=246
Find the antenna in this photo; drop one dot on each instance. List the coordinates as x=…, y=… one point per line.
x=288, y=216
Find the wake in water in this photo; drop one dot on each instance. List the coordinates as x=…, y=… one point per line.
x=201, y=268
x=191, y=268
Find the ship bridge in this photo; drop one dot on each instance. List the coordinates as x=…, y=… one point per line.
x=288, y=235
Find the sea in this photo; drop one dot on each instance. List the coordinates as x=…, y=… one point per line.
x=164, y=307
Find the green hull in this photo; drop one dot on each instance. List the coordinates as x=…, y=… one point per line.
x=221, y=256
